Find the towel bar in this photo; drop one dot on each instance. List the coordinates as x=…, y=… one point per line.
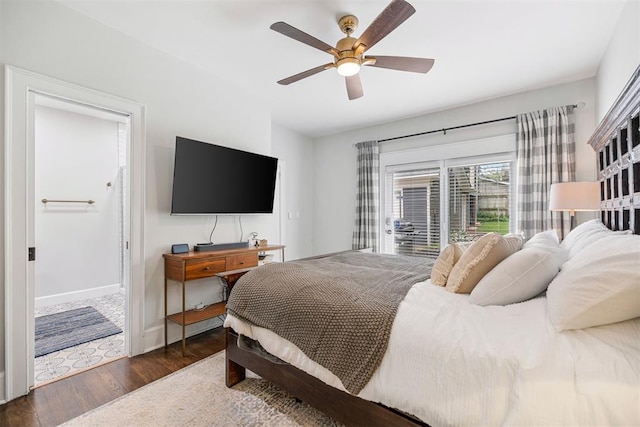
x=45, y=201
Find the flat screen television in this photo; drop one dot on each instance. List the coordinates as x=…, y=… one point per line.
x=210, y=179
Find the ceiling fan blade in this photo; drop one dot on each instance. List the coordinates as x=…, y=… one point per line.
x=307, y=73
x=296, y=34
x=354, y=86
x=389, y=19
x=401, y=63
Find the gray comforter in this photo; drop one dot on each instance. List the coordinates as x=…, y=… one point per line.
x=338, y=310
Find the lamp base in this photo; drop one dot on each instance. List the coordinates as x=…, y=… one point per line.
x=572, y=219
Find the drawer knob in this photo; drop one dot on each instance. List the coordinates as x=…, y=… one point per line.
x=241, y=262
x=207, y=268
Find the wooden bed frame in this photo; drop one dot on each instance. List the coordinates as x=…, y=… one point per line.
x=617, y=142
x=339, y=405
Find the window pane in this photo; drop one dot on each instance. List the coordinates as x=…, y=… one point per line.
x=478, y=200
x=415, y=212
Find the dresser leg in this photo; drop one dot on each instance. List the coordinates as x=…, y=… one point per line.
x=165, y=312
x=184, y=327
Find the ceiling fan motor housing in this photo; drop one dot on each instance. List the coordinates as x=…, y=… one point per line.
x=347, y=61
x=345, y=48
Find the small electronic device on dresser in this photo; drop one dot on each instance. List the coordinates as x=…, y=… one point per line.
x=205, y=247
x=179, y=248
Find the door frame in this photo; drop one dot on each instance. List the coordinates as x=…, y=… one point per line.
x=19, y=288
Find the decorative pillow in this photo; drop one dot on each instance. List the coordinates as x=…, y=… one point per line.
x=598, y=286
x=445, y=262
x=519, y=277
x=483, y=254
x=515, y=239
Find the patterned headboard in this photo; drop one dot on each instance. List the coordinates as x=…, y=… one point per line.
x=617, y=142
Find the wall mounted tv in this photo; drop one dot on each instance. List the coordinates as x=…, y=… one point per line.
x=210, y=179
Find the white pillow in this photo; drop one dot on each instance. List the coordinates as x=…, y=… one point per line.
x=520, y=277
x=584, y=235
x=549, y=241
x=547, y=238
x=598, y=286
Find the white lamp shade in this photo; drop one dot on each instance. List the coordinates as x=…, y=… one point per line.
x=574, y=196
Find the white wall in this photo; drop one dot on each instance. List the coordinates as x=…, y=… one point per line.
x=47, y=38
x=335, y=156
x=297, y=153
x=621, y=58
x=75, y=156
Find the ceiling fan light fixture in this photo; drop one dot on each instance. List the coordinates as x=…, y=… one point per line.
x=349, y=52
x=348, y=66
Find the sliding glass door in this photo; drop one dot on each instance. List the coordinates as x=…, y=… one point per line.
x=428, y=205
x=413, y=215
x=479, y=200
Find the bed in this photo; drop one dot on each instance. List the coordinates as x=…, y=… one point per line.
x=570, y=356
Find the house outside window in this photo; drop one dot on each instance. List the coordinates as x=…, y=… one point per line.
x=479, y=200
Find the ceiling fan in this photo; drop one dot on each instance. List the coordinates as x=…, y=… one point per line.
x=348, y=55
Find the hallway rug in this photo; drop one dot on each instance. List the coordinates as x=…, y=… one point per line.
x=69, y=328
x=197, y=396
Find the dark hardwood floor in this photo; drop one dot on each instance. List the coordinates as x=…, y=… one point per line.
x=55, y=403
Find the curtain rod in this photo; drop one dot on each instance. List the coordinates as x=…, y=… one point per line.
x=444, y=130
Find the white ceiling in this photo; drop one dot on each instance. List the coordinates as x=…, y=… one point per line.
x=483, y=49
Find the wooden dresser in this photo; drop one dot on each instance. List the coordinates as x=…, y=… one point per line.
x=182, y=268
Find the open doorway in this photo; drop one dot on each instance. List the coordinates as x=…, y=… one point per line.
x=21, y=89
x=80, y=181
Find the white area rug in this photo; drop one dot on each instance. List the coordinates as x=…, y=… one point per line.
x=197, y=396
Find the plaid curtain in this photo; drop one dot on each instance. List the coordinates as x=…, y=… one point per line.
x=365, y=230
x=546, y=155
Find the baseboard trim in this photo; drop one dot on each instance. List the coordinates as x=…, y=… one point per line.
x=154, y=337
x=77, y=295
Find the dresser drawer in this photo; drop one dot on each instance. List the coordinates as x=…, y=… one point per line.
x=207, y=267
x=235, y=262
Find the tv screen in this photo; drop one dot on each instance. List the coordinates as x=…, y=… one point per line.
x=211, y=179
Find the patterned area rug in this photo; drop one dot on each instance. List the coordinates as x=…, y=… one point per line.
x=72, y=360
x=197, y=396
x=63, y=330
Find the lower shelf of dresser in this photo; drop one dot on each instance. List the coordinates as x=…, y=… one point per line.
x=195, y=316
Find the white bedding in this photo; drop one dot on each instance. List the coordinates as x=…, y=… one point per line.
x=450, y=362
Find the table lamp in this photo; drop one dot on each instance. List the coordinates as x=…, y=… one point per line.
x=574, y=196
